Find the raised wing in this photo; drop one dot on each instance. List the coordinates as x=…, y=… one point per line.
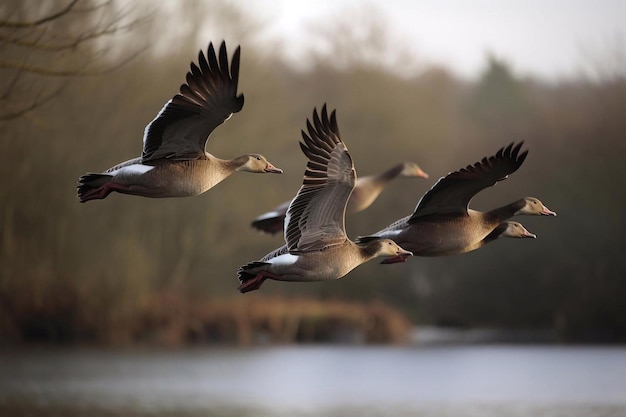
x=453, y=193
x=315, y=218
x=209, y=97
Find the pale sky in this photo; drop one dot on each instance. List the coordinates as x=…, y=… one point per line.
x=546, y=38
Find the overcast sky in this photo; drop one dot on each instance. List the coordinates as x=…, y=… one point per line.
x=547, y=38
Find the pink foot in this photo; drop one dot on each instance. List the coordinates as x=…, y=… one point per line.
x=256, y=282
x=102, y=191
x=253, y=283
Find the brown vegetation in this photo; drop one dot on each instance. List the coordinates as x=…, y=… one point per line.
x=173, y=321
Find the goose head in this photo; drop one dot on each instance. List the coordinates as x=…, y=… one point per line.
x=390, y=249
x=411, y=169
x=533, y=206
x=516, y=230
x=258, y=163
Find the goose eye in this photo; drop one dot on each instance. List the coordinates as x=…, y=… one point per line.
x=258, y=158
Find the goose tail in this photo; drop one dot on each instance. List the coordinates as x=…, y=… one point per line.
x=93, y=186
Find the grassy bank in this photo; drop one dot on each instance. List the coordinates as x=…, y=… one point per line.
x=269, y=320
x=171, y=320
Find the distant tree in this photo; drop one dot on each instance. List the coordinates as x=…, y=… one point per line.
x=604, y=61
x=370, y=44
x=499, y=103
x=42, y=43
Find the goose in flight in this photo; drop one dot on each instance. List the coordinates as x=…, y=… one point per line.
x=366, y=191
x=317, y=247
x=174, y=162
x=443, y=224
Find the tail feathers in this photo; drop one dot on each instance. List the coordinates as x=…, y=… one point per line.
x=246, y=273
x=91, y=186
x=271, y=225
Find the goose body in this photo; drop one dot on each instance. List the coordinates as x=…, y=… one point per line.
x=366, y=191
x=317, y=247
x=174, y=162
x=320, y=265
x=443, y=224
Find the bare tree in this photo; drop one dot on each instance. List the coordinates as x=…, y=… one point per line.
x=43, y=44
x=370, y=44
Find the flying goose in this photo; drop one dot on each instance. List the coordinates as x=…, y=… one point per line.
x=443, y=223
x=317, y=247
x=174, y=162
x=366, y=190
x=505, y=229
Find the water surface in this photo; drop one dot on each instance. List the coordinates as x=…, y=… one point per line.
x=318, y=380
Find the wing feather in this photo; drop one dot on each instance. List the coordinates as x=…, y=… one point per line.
x=316, y=216
x=205, y=101
x=453, y=193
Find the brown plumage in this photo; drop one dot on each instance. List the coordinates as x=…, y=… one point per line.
x=443, y=223
x=174, y=162
x=365, y=192
x=317, y=247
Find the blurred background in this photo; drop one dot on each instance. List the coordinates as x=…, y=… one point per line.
x=442, y=84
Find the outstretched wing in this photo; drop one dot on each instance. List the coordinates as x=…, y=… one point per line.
x=315, y=218
x=453, y=193
x=209, y=97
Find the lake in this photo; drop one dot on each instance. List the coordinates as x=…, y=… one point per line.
x=442, y=381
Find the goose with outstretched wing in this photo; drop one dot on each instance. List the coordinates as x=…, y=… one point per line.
x=443, y=224
x=174, y=162
x=317, y=247
x=366, y=191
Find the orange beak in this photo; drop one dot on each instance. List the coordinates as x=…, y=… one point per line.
x=421, y=174
x=271, y=168
x=402, y=256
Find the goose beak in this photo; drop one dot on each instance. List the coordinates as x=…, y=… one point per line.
x=547, y=212
x=401, y=256
x=271, y=168
x=421, y=174
x=530, y=235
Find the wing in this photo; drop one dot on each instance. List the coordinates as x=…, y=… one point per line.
x=315, y=218
x=273, y=221
x=209, y=97
x=453, y=193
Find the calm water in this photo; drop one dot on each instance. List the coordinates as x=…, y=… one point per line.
x=317, y=381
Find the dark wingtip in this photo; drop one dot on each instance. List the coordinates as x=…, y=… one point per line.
x=331, y=122
x=522, y=158
x=211, y=50
x=515, y=154
x=240, y=100
x=324, y=112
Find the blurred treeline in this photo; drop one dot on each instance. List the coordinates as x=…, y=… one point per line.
x=89, y=273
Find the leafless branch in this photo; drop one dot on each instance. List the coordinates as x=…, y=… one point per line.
x=32, y=47
x=41, y=21
x=69, y=43
x=37, y=102
x=4, y=116
x=34, y=69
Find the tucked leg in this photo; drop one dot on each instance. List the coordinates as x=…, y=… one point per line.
x=102, y=191
x=256, y=282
